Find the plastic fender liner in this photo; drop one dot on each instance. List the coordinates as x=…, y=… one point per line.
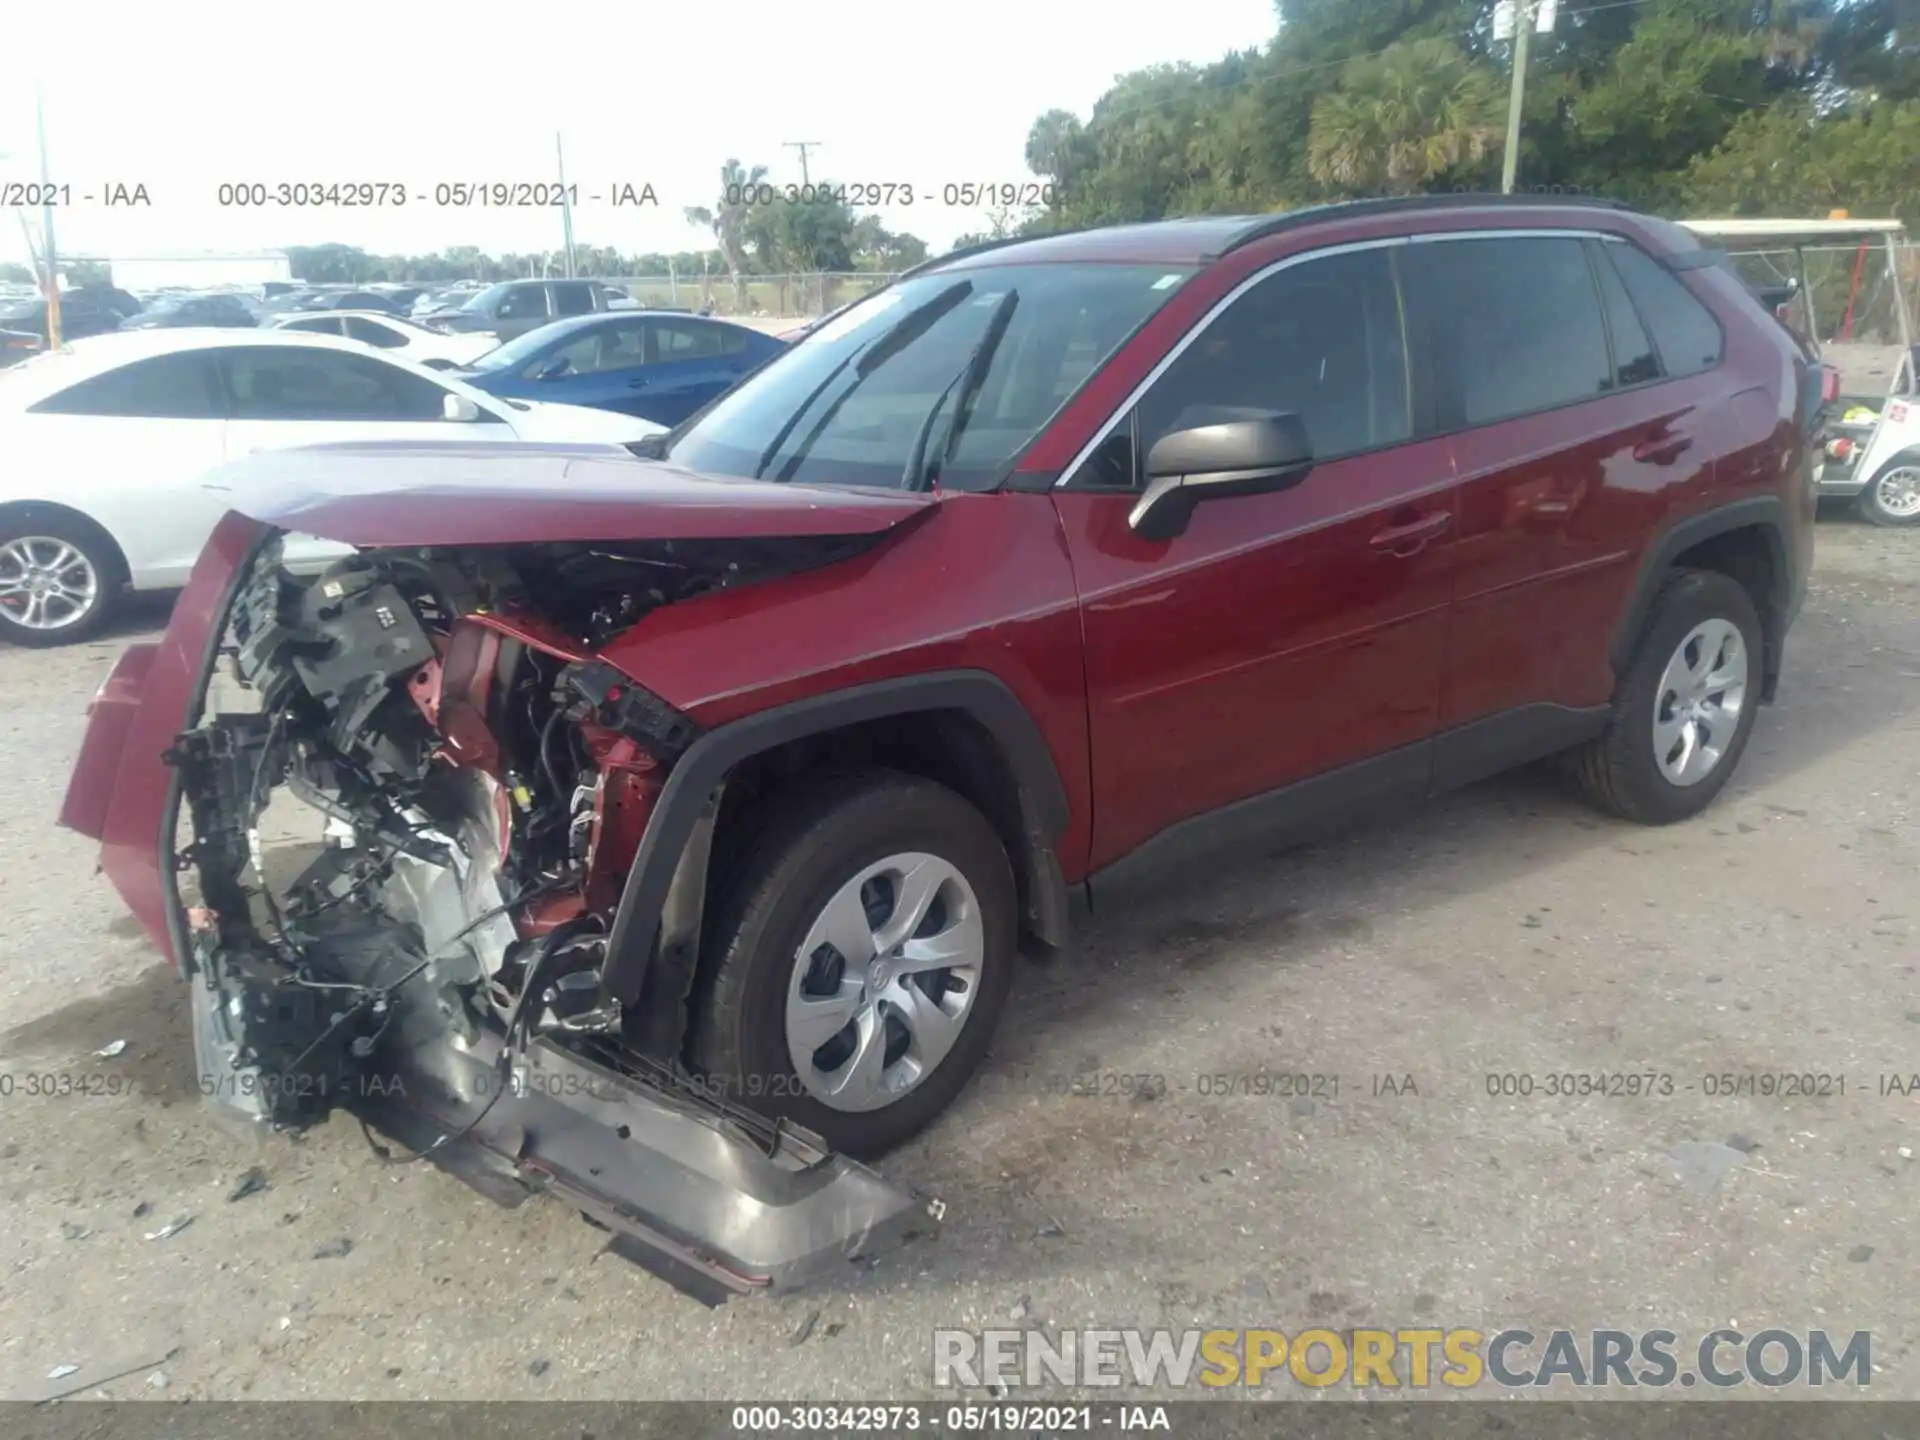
x=708, y=760
x=1765, y=513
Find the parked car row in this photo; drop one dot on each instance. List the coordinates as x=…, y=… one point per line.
x=106, y=442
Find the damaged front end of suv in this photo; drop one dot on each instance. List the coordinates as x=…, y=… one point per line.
x=398, y=828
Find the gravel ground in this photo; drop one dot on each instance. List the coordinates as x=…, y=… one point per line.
x=1505, y=929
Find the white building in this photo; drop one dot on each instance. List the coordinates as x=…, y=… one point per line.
x=199, y=272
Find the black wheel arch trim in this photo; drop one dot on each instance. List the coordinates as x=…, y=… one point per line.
x=1765, y=513
x=707, y=762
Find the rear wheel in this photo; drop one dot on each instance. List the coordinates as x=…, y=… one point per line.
x=58, y=582
x=1684, y=708
x=1893, y=496
x=860, y=963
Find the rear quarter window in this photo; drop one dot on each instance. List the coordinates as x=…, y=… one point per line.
x=1684, y=331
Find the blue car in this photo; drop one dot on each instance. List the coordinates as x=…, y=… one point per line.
x=658, y=365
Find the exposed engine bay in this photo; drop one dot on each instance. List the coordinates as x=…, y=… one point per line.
x=415, y=794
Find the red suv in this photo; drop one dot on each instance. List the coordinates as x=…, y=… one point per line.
x=674, y=820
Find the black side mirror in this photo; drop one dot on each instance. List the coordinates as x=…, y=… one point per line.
x=1207, y=462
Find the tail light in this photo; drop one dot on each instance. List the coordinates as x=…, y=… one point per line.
x=1829, y=384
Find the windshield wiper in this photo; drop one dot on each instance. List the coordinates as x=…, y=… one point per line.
x=911, y=327
x=972, y=376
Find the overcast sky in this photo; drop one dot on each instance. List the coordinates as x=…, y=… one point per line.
x=181, y=97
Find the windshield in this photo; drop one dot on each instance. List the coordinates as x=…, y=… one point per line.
x=483, y=299
x=945, y=376
x=515, y=352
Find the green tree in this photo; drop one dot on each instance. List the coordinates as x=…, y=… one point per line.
x=1403, y=119
x=87, y=272
x=1791, y=160
x=877, y=248
x=729, y=219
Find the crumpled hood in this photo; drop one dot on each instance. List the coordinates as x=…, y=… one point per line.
x=412, y=492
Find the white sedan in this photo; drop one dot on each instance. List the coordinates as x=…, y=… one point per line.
x=103, y=444
x=405, y=338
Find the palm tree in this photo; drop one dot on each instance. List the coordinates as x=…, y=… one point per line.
x=1403, y=118
x=728, y=220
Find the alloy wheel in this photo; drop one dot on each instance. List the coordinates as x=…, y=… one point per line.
x=46, y=583
x=1898, y=492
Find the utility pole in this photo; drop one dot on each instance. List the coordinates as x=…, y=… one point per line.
x=1516, y=98
x=802, y=146
x=50, y=255
x=566, y=206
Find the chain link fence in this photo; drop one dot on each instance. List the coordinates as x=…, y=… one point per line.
x=797, y=297
x=1850, y=289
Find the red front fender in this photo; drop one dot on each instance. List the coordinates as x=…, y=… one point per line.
x=121, y=792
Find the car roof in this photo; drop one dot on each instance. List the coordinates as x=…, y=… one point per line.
x=567, y=324
x=33, y=380
x=1199, y=239
x=274, y=321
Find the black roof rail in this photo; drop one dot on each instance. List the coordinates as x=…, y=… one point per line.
x=1267, y=225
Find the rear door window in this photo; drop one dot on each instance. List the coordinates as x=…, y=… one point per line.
x=372, y=332
x=525, y=302
x=169, y=387
x=1510, y=327
x=573, y=297
x=320, y=325
x=686, y=340
x=303, y=384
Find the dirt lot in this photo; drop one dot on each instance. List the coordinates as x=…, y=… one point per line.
x=1504, y=930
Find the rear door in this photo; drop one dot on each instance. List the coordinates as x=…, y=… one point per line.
x=1282, y=636
x=688, y=363
x=576, y=297
x=1569, y=440
x=521, y=309
x=141, y=436
x=605, y=367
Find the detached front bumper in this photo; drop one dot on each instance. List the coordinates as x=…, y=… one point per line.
x=712, y=1198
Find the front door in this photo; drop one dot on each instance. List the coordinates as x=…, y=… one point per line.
x=1282, y=636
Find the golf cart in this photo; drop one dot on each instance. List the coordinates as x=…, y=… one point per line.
x=1872, y=428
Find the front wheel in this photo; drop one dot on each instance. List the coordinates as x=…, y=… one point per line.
x=860, y=959
x=1893, y=497
x=58, y=583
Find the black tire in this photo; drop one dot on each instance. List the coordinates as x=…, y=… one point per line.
x=1618, y=772
x=1873, y=506
x=99, y=555
x=817, y=839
